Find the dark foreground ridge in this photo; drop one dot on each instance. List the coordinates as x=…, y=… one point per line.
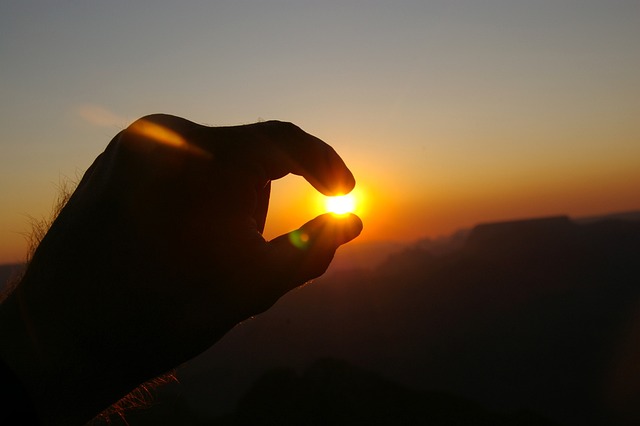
x=333, y=392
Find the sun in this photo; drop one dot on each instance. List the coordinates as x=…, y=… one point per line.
x=341, y=204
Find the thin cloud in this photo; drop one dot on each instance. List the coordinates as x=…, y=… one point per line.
x=100, y=116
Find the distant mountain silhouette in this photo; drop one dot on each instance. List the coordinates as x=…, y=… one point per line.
x=540, y=315
x=627, y=216
x=537, y=316
x=367, y=255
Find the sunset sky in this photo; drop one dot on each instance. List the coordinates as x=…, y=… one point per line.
x=448, y=112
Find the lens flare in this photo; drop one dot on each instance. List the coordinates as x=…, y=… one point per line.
x=342, y=204
x=163, y=135
x=299, y=239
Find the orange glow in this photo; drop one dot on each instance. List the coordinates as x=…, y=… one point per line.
x=341, y=204
x=398, y=203
x=295, y=202
x=354, y=202
x=162, y=135
x=158, y=133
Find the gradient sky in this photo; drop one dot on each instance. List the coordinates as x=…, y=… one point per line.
x=448, y=112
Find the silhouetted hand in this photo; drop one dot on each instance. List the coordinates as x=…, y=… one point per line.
x=159, y=253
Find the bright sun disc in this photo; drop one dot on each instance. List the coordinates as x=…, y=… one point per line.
x=342, y=204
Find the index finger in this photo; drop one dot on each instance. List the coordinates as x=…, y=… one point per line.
x=280, y=148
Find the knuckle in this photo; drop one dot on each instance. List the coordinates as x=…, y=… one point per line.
x=284, y=127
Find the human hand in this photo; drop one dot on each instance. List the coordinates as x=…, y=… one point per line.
x=159, y=252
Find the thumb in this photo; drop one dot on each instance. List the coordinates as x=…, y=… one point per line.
x=306, y=253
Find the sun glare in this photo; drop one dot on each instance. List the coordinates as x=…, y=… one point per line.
x=342, y=204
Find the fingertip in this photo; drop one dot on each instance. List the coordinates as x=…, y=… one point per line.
x=332, y=229
x=356, y=224
x=346, y=227
x=345, y=183
x=285, y=148
x=340, y=179
x=309, y=250
x=326, y=170
x=333, y=181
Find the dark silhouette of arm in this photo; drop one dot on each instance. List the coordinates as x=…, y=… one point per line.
x=158, y=253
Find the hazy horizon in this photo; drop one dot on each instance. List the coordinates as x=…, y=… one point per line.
x=368, y=254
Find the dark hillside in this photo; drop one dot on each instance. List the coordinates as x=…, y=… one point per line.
x=534, y=315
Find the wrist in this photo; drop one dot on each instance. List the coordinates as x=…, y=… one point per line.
x=15, y=401
x=56, y=384
x=19, y=366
